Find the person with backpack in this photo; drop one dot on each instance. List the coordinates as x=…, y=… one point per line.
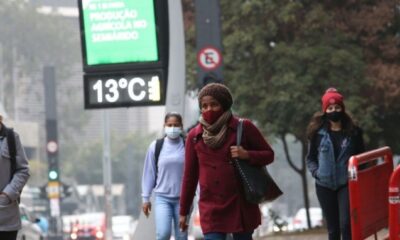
x=14, y=173
x=162, y=174
x=210, y=148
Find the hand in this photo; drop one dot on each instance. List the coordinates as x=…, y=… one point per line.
x=4, y=199
x=146, y=207
x=183, y=223
x=239, y=152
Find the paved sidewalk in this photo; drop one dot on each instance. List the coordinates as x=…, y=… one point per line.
x=313, y=235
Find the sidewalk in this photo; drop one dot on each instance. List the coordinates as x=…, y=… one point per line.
x=318, y=234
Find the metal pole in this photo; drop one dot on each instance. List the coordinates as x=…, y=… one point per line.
x=107, y=178
x=175, y=92
x=2, y=79
x=176, y=69
x=208, y=42
x=14, y=82
x=52, y=147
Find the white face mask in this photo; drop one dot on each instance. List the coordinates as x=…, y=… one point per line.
x=173, y=132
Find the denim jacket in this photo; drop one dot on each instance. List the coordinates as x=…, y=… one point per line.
x=328, y=171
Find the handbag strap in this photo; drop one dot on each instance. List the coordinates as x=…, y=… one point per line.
x=239, y=132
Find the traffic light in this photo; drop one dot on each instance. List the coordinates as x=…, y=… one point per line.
x=53, y=172
x=53, y=175
x=52, y=157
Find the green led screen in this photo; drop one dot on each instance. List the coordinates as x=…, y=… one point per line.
x=119, y=31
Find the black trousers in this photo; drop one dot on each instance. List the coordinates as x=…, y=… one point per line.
x=335, y=205
x=8, y=235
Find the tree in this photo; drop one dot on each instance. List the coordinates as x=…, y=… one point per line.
x=280, y=56
x=375, y=26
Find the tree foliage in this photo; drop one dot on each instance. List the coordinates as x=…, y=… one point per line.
x=281, y=55
x=375, y=26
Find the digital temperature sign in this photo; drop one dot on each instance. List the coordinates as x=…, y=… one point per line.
x=124, y=89
x=119, y=31
x=125, y=52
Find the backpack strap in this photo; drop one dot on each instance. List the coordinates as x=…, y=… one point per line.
x=159, y=144
x=11, y=150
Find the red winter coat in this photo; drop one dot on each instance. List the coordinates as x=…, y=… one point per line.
x=221, y=204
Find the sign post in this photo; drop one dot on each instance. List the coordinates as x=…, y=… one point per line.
x=126, y=62
x=52, y=151
x=208, y=41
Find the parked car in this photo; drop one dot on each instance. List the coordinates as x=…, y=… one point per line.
x=30, y=229
x=123, y=227
x=300, y=219
x=88, y=226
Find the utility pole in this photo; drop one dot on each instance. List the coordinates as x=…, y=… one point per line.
x=107, y=176
x=54, y=183
x=176, y=88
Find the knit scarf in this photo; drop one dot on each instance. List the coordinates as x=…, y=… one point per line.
x=214, y=135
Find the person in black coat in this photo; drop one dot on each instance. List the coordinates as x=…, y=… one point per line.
x=333, y=139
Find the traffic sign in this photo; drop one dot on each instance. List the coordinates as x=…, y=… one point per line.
x=209, y=58
x=53, y=189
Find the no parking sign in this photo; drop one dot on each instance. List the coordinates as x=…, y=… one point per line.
x=209, y=58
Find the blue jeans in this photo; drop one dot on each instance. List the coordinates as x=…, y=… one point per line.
x=222, y=236
x=167, y=211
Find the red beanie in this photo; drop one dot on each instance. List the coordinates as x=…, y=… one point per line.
x=331, y=96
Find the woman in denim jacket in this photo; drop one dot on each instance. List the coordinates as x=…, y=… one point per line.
x=334, y=138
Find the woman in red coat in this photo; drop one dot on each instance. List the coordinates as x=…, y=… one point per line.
x=210, y=147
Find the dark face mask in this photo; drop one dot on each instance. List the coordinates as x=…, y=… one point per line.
x=334, y=116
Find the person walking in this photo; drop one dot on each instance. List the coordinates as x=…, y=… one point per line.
x=333, y=139
x=210, y=147
x=13, y=177
x=162, y=174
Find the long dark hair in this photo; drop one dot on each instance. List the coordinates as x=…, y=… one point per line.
x=319, y=120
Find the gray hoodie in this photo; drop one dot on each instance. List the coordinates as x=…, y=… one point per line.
x=9, y=211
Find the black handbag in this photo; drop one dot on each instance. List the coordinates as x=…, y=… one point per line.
x=257, y=184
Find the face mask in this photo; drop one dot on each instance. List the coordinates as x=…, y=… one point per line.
x=212, y=116
x=335, y=116
x=173, y=132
